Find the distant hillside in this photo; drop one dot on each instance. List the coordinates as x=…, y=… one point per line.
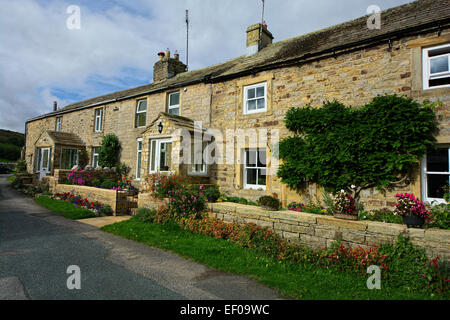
x=11, y=144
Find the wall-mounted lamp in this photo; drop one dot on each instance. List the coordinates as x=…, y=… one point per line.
x=160, y=127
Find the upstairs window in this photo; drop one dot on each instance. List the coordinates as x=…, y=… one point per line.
x=174, y=103
x=141, y=113
x=436, y=67
x=255, y=98
x=58, y=124
x=98, y=120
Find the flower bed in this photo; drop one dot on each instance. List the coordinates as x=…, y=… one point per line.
x=96, y=207
x=402, y=264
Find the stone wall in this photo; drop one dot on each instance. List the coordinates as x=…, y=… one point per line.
x=318, y=231
x=353, y=78
x=115, y=199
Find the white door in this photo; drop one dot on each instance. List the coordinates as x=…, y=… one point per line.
x=160, y=156
x=44, y=164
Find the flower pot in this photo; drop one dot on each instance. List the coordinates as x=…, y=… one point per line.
x=413, y=221
x=345, y=216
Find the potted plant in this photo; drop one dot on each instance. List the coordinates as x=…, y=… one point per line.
x=413, y=211
x=269, y=203
x=212, y=193
x=344, y=206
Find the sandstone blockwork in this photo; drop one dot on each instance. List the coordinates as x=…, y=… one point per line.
x=317, y=231
x=352, y=78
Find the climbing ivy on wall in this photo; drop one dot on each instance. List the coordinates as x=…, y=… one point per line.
x=337, y=146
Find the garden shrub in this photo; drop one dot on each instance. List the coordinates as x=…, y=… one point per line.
x=441, y=215
x=108, y=155
x=160, y=185
x=212, y=193
x=83, y=158
x=270, y=202
x=107, y=184
x=186, y=202
x=145, y=214
x=380, y=215
x=106, y=210
x=21, y=166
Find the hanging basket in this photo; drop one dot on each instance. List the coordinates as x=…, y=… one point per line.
x=345, y=216
x=413, y=221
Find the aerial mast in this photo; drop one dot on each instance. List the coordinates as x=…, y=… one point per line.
x=187, y=39
x=261, y=27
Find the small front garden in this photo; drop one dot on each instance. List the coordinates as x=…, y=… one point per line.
x=181, y=225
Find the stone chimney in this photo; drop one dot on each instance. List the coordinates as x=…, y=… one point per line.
x=167, y=67
x=253, y=32
x=55, y=105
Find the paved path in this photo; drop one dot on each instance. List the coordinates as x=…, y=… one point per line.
x=103, y=221
x=37, y=246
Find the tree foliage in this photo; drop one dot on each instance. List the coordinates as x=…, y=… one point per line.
x=335, y=146
x=108, y=155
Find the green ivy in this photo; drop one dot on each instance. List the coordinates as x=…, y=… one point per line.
x=337, y=146
x=108, y=155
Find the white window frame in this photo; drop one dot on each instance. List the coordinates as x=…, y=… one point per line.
x=245, y=99
x=139, y=161
x=204, y=171
x=58, y=124
x=244, y=175
x=95, y=154
x=175, y=106
x=71, y=149
x=157, y=149
x=425, y=172
x=427, y=76
x=98, y=120
x=140, y=112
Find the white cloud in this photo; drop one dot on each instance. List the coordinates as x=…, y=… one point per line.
x=39, y=55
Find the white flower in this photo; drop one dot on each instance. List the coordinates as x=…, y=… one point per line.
x=353, y=186
x=342, y=190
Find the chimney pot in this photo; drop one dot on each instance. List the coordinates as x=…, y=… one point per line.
x=55, y=105
x=161, y=55
x=167, y=53
x=176, y=55
x=253, y=38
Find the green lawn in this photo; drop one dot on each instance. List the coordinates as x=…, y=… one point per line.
x=66, y=209
x=299, y=281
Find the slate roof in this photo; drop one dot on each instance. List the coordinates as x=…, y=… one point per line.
x=396, y=22
x=65, y=138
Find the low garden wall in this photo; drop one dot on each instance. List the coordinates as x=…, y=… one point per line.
x=61, y=174
x=117, y=200
x=318, y=231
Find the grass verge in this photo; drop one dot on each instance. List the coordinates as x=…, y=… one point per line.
x=299, y=281
x=66, y=209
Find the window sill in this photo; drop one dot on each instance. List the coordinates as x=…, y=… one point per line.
x=195, y=174
x=247, y=113
x=256, y=188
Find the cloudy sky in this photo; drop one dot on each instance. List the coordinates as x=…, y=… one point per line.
x=42, y=60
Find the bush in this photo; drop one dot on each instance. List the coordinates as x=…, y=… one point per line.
x=381, y=148
x=440, y=214
x=21, y=166
x=381, y=215
x=107, y=184
x=309, y=208
x=145, y=214
x=186, y=202
x=269, y=201
x=123, y=170
x=160, y=185
x=212, y=193
x=106, y=210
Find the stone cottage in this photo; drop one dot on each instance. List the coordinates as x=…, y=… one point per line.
x=246, y=98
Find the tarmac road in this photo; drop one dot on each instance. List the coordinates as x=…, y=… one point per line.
x=37, y=246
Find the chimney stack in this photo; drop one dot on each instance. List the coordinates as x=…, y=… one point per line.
x=55, y=105
x=167, y=67
x=253, y=38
